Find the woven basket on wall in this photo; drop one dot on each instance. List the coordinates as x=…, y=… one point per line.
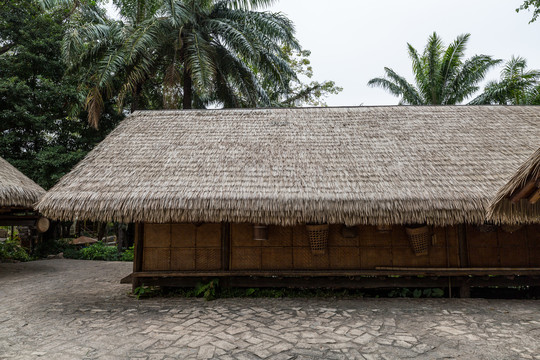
x=318, y=238
x=419, y=238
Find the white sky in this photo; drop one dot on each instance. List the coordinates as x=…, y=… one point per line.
x=352, y=40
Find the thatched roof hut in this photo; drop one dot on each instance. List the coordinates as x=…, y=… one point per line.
x=17, y=190
x=351, y=165
x=519, y=200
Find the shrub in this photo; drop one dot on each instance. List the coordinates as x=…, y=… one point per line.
x=99, y=251
x=12, y=250
x=128, y=254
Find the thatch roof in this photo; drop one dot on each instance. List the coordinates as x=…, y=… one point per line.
x=17, y=190
x=374, y=165
x=524, y=187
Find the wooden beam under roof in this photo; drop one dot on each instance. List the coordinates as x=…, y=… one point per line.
x=524, y=191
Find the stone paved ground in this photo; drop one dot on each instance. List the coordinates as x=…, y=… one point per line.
x=69, y=309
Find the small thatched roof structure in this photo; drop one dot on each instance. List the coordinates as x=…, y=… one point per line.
x=370, y=165
x=17, y=190
x=519, y=200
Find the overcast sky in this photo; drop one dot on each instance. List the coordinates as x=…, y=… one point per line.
x=352, y=40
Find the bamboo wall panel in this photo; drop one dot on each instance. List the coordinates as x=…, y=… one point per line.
x=500, y=248
x=190, y=247
x=182, y=247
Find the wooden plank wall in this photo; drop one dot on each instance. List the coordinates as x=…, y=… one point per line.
x=288, y=248
x=182, y=247
x=500, y=248
x=188, y=247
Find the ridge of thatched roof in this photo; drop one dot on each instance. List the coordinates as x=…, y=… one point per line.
x=16, y=189
x=502, y=209
x=355, y=165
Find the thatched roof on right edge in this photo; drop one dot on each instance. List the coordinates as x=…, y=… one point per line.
x=354, y=165
x=17, y=190
x=519, y=200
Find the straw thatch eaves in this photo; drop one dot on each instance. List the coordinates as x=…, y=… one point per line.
x=370, y=165
x=519, y=200
x=17, y=190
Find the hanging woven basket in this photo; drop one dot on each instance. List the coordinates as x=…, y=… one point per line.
x=419, y=238
x=318, y=238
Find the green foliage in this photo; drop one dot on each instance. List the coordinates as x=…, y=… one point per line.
x=38, y=135
x=55, y=246
x=208, y=291
x=99, y=251
x=517, y=86
x=194, y=53
x=529, y=5
x=12, y=250
x=145, y=291
x=416, y=293
x=294, y=91
x=128, y=254
x=442, y=76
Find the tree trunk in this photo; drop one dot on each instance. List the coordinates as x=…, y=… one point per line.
x=136, y=98
x=188, y=89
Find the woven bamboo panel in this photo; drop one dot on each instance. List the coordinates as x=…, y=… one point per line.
x=344, y=258
x=182, y=259
x=534, y=257
x=398, y=236
x=369, y=236
x=514, y=257
x=279, y=236
x=512, y=240
x=303, y=258
x=242, y=235
x=437, y=257
x=183, y=235
x=208, y=259
x=484, y=257
x=370, y=258
x=335, y=237
x=156, y=259
x=405, y=257
x=277, y=258
x=208, y=235
x=246, y=258
x=300, y=236
x=157, y=235
x=533, y=235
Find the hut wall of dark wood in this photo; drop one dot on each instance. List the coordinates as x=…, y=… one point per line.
x=220, y=247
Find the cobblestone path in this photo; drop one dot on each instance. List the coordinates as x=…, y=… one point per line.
x=70, y=309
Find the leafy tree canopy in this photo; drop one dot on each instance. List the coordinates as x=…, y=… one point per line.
x=37, y=134
x=442, y=76
x=517, y=86
x=531, y=5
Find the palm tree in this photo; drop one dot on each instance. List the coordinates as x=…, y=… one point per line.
x=518, y=86
x=441, y=75
x=202, y=51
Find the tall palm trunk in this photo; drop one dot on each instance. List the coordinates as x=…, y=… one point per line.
x=188, y=89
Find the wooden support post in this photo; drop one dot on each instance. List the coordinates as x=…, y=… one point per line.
x=138, y=254
x=225, y=246
x=225, y=252
x=463, y=246
x=465, y=289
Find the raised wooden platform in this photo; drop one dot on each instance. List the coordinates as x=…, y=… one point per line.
x=461, y=278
